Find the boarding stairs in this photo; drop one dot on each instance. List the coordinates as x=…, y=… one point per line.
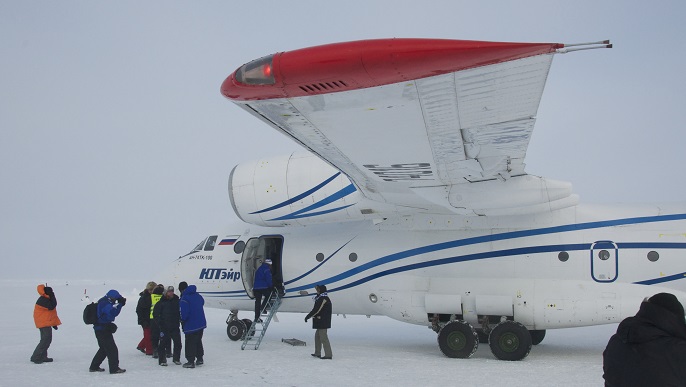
x=258, y=329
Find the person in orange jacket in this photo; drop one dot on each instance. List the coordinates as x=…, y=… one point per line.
x=45, y=317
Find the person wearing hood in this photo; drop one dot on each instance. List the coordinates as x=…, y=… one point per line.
x=194, y=323
x=167, y=316
x=109, y=308
x=321, y=321
x=143, y=313
x=649, y=349
x=45, y=318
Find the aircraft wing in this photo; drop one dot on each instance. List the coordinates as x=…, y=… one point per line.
x=436, y=125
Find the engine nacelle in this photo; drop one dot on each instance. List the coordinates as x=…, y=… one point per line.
x=298, y=188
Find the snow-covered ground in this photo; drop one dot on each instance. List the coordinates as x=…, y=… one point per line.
x=372, y=351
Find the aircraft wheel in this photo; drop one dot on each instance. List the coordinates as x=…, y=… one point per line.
x=236, y=330
x=537, y=336
x=248, y=322
x=458, y=339
x=510, y=340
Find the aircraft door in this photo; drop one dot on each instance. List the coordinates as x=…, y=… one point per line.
x=604, y=261
x=256, y=251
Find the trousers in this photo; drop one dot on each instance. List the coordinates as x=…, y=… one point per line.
x=146, y=343
x=259, y=304
x=194, y=349
x=107, y=348
x=321, y=338
x=166, y=341
x=41, y=351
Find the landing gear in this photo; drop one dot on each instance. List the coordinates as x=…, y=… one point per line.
x=537, y=336
x=510, y=340
x=235, y=327
x=483, y=336
x=236, y=330
x=458, y=339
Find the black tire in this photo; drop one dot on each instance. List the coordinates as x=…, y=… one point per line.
x=236, y=330
x=458, y=339
x=510, y=340
x=537, y=336
x=247, y=322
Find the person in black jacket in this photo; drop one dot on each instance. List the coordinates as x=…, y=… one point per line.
x=321, y=321
x=143, y=312
x=649, y=349
x=169, y=318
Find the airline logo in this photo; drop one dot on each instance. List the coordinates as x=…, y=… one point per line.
x=219, y=274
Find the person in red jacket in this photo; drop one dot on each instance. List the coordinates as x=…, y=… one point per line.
x=45, y=317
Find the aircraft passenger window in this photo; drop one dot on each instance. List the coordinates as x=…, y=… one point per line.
x=319, y=257
x=238, y=247
x=604, y=255
x=653, y=256
x=352, y=257
x=209, y=246
x=563, y=256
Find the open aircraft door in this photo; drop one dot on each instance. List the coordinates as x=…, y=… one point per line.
x=255, y=252
x=604, y=261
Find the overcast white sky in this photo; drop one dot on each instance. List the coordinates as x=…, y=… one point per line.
x=116, y=145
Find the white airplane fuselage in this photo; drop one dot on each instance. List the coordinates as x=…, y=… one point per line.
x=579, y=266
x=412, y=201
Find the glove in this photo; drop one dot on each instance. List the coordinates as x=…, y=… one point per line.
x=305, y=319
x=54, y=327
x=122, y=301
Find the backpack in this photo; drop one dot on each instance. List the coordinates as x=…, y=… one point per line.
x=90, y=314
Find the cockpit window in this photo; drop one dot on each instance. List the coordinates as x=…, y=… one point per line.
x=209, y=246
x=199, y=246
x=257, y=72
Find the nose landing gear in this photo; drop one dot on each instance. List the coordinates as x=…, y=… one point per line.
x=235, y=327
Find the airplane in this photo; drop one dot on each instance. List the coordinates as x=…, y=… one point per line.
x=410, y=200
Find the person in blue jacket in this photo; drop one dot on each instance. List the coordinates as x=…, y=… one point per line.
x=109, y=308
x=262, y=286
x=193, y=323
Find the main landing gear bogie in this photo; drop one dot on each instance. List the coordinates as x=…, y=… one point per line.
x=508, y=340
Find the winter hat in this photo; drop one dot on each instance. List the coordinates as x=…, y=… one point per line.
x=669, y=302
x=322, y=288
x=182, y=286
x=170, y=289
x=113, y=294
x=150, y=286
x=268, y=261
x=158, y=290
